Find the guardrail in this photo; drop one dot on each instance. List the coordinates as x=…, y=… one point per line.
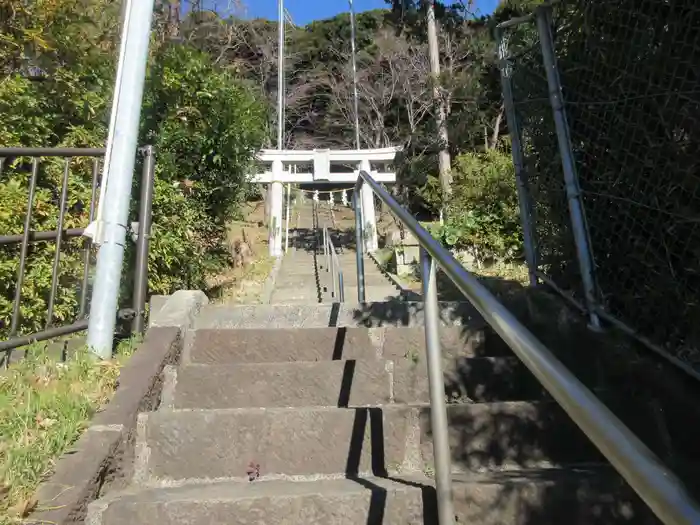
x=657, y=486
x=58, y=236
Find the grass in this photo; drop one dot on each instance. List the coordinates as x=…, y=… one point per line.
x=44, y=407
x=245, y=285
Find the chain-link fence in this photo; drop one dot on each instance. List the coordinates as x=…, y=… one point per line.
x=621, y=105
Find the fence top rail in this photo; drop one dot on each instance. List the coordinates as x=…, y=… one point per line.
x=654, y=483
x=52, y=152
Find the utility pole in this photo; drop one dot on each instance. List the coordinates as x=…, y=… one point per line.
x=109, y=231
x=443, y=137
x=354, y=75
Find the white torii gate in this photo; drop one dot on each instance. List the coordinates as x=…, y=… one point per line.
x=279, y=173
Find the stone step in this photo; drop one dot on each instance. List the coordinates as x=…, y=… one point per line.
x=370, y=500
x=385, y=292
x=295, y=295
x=237, y=346
x=594, y=495
x=343, y=383
x=298, y=443
x=296, y=281
x=467, y=380
x=299, y=384
x=370, y=314
x=350, y=279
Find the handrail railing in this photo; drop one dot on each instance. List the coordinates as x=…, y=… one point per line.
x=333, y=266
x=657, y=486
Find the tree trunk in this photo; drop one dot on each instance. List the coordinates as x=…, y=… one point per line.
x=443, y=137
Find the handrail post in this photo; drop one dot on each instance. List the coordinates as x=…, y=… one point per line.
x=325, y=249
x=436, y=384
x=359, y=247
x=333, y=289
x=143, y=240
x=573, y=189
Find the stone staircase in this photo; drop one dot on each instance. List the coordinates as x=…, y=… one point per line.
x=319, y=414
x=308, y=411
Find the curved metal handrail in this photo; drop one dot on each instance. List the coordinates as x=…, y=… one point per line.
x=657, y=486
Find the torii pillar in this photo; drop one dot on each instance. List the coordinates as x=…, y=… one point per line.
x=369, y=216
x=276, y=198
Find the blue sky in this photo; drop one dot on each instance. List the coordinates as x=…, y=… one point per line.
x=304, y=11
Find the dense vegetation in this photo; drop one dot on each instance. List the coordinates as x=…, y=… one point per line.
x=57, y=64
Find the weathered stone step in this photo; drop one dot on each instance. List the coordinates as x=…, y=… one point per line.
x=295, y=295
x=594, y=495
x=344, y=383
x=371, y=501
x=467, y=380
x=260, y=345
x=178, y=445
x=295, y=443
x=296, y=281
x=385, y=292
x=323, y=383
x=350, y=279
x=370, y=314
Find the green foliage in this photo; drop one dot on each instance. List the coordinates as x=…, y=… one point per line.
x=57, y=62
x=205, y=125
x=483, y=211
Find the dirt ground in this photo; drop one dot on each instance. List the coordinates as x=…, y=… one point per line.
x=244, y=285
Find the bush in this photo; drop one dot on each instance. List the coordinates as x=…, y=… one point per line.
x=482, y=214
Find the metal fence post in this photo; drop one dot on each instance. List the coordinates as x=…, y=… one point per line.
x=436, y=385
x=573, y=191
x=144, y=236
x=521, y=179
x=24, y=248
x=59, y=243
x=359, y=247
x=88, y=242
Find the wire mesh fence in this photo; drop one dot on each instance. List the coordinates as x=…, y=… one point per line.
x=631, y=92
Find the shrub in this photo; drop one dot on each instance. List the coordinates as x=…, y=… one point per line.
x=482, y=214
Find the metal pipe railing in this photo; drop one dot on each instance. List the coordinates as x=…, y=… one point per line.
x=333, y=266
x=657, y=486
x=60, y=235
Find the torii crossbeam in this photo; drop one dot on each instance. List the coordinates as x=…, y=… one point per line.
x=278, y=173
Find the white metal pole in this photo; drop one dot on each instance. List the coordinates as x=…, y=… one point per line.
x=354, y=74
x=115, y=206
x=280, y=78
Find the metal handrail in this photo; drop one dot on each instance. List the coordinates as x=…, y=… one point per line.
x=333, y=266
x=657, y=486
